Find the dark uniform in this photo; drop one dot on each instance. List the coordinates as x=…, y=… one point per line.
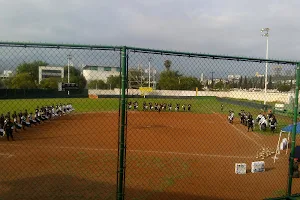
x=189, y=107
x=26, y=113
x=144, y=106
x=15, y=122
x=250, y=122
x=14, y=116
x=129, y=105
x=1, y=121
x=135, y=105
x=159, y=107
x=8, y=129
x=170, y=106
x=177, y=107
x=20, y=114
x=36, y=116
x=7, y=116
x=31, y=120
x=150, y=106
x=273, y=123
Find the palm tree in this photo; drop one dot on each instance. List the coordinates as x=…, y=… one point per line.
x=168, y=64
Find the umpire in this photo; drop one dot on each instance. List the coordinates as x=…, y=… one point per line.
x=8, y=128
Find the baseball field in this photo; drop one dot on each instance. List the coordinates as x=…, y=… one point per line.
x=170, y=155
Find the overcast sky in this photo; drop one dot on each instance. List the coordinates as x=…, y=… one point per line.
x=227, y=27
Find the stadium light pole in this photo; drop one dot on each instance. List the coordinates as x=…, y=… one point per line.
x=265, y=33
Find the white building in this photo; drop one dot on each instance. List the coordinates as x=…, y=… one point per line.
x=50, y=71
x=99, y=72
x=6, y=74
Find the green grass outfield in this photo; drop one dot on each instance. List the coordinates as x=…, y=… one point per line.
x=199, y=105
x=205, y=105
x=80, y=104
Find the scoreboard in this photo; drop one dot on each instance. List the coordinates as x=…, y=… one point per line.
x=67, y=86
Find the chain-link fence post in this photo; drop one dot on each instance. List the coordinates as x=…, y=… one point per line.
x=292, y=154
x=122, y=150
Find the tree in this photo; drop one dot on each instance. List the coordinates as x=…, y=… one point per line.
x=245, y=84
x=49, y=83
x=261, y=85
x=250, y=84
x=172, y=80
x=167, y=64
x=169, y=80
x=270, y=84
x=240, y=82
x=7, y=82
x=189, y=83
x=75, y=76
x=136, y=78
x=219, y=85
x=114, y=81
x=22, y=81
x=284, y=88
x=31, y=68
x=2, y=85
x=97, y=84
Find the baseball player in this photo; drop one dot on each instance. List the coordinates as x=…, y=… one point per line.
x=2, y=121
x=31, y=120
x=177, y=107
x=145, y=107
x=189, y=107
x=273, y=123
x=135, y=105
x=24, y=122
x=129, y=105
x=20, y=114
x=8, y=128
x=170, y=106
x=231, y=116
x=250, y=122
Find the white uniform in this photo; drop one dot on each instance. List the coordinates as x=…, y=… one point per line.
x=262, y=121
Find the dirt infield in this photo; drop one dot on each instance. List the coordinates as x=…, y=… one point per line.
x=169, y=156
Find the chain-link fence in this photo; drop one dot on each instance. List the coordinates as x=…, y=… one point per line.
x=70, y=148
x=103, y=122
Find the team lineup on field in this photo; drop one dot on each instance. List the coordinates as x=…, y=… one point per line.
x=159, y=106
x=263, y=120
x=20, y=120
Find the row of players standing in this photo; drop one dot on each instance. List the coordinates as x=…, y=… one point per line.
x=268, y=120
x=158, y=106
x=262, y=120
x=24, y=119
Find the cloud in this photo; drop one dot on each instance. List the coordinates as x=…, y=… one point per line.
x=216, y=26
